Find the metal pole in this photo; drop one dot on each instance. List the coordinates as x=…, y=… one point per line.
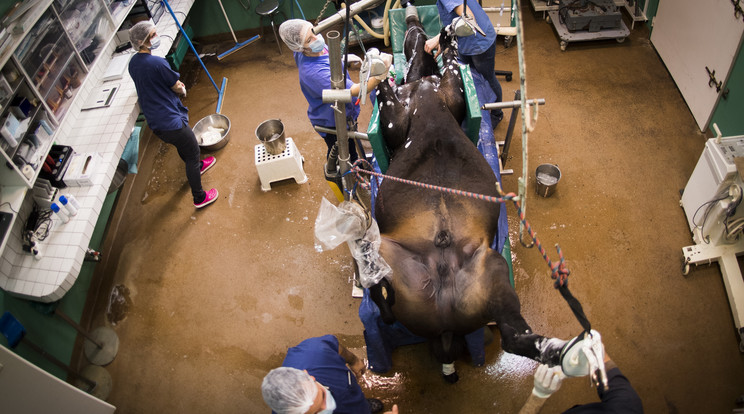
x=220, y=91
x=350, y=134
x=511, y=104
x=77, y=327
x=338, y=81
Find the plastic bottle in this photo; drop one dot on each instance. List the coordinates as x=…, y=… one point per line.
x=70, y=209
x=61, y=214
x=71, y=200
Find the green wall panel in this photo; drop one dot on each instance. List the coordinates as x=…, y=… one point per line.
x=206, y=17
x=728, y=112
x=43, y=328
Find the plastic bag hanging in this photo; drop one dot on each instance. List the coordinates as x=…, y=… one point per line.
x=348, y=223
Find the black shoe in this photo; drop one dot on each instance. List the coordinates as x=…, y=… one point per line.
x=375, y=405
x=451, y=378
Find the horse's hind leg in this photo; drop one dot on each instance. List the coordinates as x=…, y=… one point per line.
x=517, y=337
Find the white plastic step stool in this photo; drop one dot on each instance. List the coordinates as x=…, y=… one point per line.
x=286, y=165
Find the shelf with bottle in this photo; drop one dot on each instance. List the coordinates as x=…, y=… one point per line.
x=25, y=160
x=65, y=88
x=10, y=80
x=16, y=118
x=88, y=24
x=119, y=9
x=18, y=29
x=32, y=151
x=43, y=60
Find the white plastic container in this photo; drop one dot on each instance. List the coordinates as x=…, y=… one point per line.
x=61, y=214
x=70, y=209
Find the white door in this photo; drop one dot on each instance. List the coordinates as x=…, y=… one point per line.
x=24, y=388
x=691, y=35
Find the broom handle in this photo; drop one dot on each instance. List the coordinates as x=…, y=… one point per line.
x=228, y=21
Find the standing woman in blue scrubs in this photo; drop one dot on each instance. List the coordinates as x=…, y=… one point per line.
x=314, y=65
x=158, y=92
x=477, y=50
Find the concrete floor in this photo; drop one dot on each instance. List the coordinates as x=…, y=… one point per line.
x=207, y=302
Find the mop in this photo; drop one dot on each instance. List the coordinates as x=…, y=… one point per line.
x=237, y=46
x=220, y=90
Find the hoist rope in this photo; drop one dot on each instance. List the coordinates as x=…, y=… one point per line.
x=558, y=270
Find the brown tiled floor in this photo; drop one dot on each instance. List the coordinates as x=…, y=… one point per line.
x=218, y=295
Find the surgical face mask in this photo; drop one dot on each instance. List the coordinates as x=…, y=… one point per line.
x=154, y=42
x=330, y=403
x=318, y=44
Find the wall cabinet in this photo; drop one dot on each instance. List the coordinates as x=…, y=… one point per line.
x=41, y=72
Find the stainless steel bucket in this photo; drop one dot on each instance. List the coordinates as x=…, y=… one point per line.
x=547, y=177
x=271, y=134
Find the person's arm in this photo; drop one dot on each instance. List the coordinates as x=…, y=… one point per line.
x=355, y=363
x=533, y=405
x=547, y=381
x=179, y=88
x=621, y=396
x=394, y=410
x=432, y=44
x=374, y=80
x=371, y=84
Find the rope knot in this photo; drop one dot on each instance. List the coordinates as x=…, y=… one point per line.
x=559, y=271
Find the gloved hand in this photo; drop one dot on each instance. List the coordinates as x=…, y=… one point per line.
x=584, y=355
x=547, y=381
x=386, y=59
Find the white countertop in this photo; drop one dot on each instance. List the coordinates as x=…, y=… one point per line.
x=102, y=130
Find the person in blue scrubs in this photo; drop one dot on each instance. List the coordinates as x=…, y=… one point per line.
x=318, y=376
x=159, y=90
x=313, y=63
x=476, y=50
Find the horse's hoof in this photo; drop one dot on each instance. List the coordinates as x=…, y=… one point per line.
x=451, y=378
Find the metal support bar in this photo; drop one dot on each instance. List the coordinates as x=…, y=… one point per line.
x=510, y=130
x=340, y=16
x=336, y=95
x=337, y=83
x=511, y=104
x=77, y=327
x=220, y=91
x=725, y=255
x=351, y=134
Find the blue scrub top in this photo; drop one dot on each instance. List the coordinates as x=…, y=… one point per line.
x=315, y=75
x=320, y=357
x=477, y=43
x=153, y=79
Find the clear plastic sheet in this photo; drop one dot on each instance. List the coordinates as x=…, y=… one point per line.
x=348, y=223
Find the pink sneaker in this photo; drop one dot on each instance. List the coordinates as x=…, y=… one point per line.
x=209, y=199
x=207, y=163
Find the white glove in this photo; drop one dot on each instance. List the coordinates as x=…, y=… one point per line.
x=387, y=59
x=585, y=356
x=547, y=381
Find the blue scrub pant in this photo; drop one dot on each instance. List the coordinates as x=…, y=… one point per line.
x=188, y=149
x=484, y=64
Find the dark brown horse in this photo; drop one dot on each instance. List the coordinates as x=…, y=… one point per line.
x=446, y=282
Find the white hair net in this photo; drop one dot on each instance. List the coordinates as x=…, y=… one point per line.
x=139, y=32
x=294, y=32
x=289, y=390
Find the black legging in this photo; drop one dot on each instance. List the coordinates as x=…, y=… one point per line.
x=188, y=149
